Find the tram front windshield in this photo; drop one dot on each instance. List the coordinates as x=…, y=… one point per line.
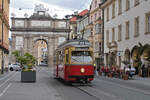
x=81, y=56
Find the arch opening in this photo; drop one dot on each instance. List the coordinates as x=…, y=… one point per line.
x=41, y=52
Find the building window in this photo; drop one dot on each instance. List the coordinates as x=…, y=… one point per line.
x=120, y=7
x=136, y=2
x=95, y=16
x=127, y=30
x=95, y=3
x=91, y=19
x=100, y=14
x=136, y=27
x=98, y=28
x=147, y=22
x=96, y=46
x=113, y=10
x=91, y=31
x=108, y=14
x=127, y=5
x=113, y=34
x=119, y=33
x=107, y=37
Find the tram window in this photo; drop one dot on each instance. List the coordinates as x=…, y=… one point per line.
x=81, y=56
x=67, y=58
x=81, y=53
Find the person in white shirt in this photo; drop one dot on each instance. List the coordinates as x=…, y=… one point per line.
x=132, y=71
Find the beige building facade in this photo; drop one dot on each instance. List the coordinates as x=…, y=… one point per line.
x=127, y=28
x=95, y=27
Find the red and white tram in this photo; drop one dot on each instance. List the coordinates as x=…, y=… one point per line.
x=74, y=61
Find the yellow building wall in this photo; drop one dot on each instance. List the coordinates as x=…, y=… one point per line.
x=6, y=7
x=5, y=36
x=4, y=19
x=0, y=2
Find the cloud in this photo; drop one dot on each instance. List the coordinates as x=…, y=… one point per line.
x=23, y=3
x=28, y=7
x=59, y=7
x=70, y=4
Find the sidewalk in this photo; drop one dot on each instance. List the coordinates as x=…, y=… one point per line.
x=40, y=90
x=141, y=80
x=5, y=73
x=137, y=81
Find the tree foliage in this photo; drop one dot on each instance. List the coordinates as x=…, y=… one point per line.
x=25, y=60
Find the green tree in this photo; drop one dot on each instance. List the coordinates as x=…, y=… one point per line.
x=25, y=60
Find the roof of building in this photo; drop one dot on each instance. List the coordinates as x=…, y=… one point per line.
x=82, y=13
x=73, y=19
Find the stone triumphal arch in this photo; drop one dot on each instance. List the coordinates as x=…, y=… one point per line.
x=39, y=26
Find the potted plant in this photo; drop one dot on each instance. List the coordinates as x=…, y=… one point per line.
x=27, y=63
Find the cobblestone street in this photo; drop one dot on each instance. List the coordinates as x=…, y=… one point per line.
x=47, y=88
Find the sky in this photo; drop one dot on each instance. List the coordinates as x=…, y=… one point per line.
x=59, y=7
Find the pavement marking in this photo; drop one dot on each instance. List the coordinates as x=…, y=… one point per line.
x=7, y=80
x=127, y=87
x=6, y=76
x=5, y=90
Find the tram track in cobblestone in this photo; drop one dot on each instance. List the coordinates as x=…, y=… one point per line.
x=86, y=92
x=96, y=93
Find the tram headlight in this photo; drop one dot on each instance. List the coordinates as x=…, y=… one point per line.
x=82, y=70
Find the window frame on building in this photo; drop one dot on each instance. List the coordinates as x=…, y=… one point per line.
x=127, y=30
x=147, y=23
x=107, y=36
x=92, y=32
x=95, y=16
x=127, y=5
x=95, y=3
x=119, y=7
x=98, y=28
x=97, y=46
x=136, y=2
x=136, y=26
x=107, y=14
x=119, y=32
x=91, y=19
x=113, y=34
x=113, y=10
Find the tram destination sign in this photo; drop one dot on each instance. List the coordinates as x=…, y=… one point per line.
x=83, y=43
x=82, y=48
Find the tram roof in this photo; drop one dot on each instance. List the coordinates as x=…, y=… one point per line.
x=75, y=43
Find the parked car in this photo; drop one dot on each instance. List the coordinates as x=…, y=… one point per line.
x=43, y=64
x=14, y=67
